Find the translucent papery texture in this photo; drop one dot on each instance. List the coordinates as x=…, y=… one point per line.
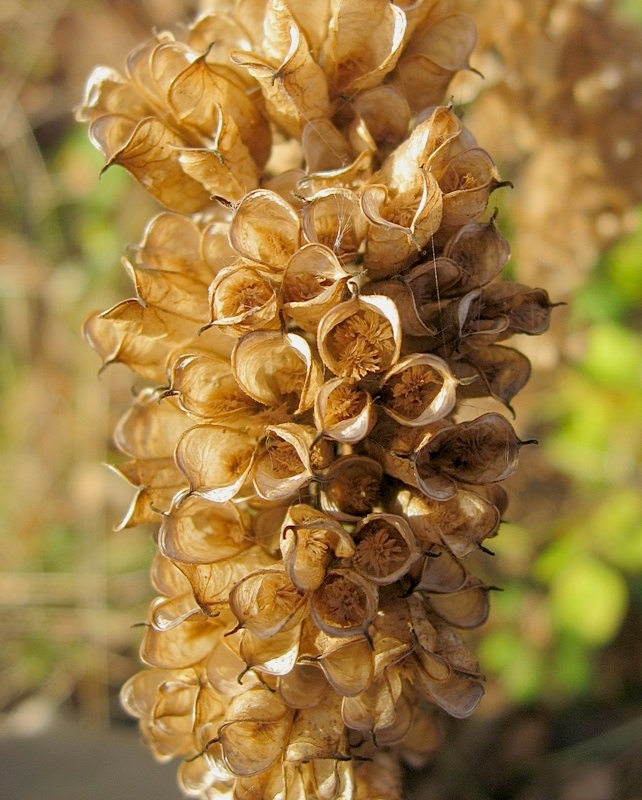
x=310, y=319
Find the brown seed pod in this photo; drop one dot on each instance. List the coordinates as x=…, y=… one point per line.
x=343, y=411
x=344, y=605
x=310, y=540
x=277, y=369
x=360, y=336
x=385, y=548
x=419, y=390
x=351, y=487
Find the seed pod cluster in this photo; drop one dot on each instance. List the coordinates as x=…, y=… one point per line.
x=311, y=314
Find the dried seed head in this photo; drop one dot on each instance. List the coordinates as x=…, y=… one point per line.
x=360, y=337
x=344, y=605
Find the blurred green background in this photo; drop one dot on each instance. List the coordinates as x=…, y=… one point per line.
x=563, y=647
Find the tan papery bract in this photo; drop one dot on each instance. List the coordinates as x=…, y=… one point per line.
x=402, y=388
x=277, y=369
x=344, y=605
x=265, y=229
x=150, y=429
x=324, y=147
x=217, y=461
x=401, y=226
x=361, y=50
x=289, y=461
x=373, y=328
x=483, y=450
x=309, y=541
x=243, y=299
x=303, y=687
x=459, y=695
x=482, y=253
x=313, y=283
x=426, y=68
x=352, y=176
x=157, y=482
x=195, y=530
x=181, y=646
x=318, y=732
x=266, y=602
x=211, y=583
x=275, y=655
x=469, y=179
x=502, y=372
x=385, y=548
x=203, y=95
x=465, y=608
x=255, y=732
x=385, y=113
x=343, y=412
x=295, y=90
x=333, y=218
x=428, y=148
x=347, y=663
x=205, y=389
x=351, y=487
x=151, y=155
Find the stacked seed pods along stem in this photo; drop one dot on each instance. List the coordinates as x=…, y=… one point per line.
x=316, y=313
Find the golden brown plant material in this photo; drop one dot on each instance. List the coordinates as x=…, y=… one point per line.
x=312, y=314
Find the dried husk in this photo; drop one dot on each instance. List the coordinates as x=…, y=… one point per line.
x=385, y=548
x=266, y=602
x=197, y=531
x=288, y=463
x=421, y=385
x=254, y=734
x=313, y=283
x=333, y=217
x=344, y=605
x=216, y=460
x=343, y=411
x=360, y=336
x=351, y=487
x=309, y=541
x=243, y=299
x=265, y=229
x=347, y=663
x=206, y=390
x=277, y=369
x=401, y=225
x=362, y=49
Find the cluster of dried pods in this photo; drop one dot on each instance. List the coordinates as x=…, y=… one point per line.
x=312, y=313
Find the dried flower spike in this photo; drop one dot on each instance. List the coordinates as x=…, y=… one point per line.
x=311, y=315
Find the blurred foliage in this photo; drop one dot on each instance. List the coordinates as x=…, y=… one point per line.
x=567, y=622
